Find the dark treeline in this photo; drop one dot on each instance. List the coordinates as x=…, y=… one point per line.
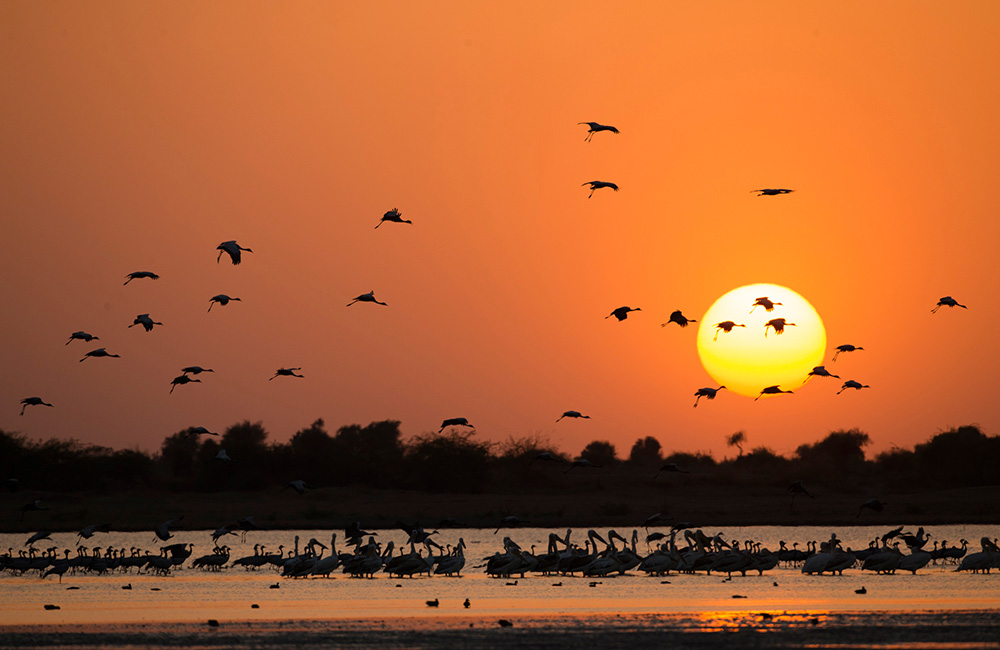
x=457, y=461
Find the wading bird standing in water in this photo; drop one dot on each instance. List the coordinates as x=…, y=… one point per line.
x=146, y=322
x=947, y=301
x=778, y=324
x=394, y=216
x=222, y=299
x=772, y=192
x=32, y=401
x=286, y=372
x=771, y=390
x=232, y=249
x=367, y=297
x=596, y=128
x=850, y=383
x=596, y=185
x=707, y=393
x=679, y=318
x=136, y=275
x=99, y=352
x=622, y=312
x=726, y=326
x=764, y=302
x=847, y=347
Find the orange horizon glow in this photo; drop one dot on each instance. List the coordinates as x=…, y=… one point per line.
x=138, y=136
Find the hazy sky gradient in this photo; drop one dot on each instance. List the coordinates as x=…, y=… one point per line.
x=139, y=135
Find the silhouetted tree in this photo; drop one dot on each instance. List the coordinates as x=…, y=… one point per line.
x=600, y=452
x=369, y=455
x=450, y=461
x=962, y=456
x=841, y=452
x=645, y=451
x=736, y=440
x=178, y=453
x=313, y=454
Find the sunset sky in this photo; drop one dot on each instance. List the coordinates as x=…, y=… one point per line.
x=140, y=135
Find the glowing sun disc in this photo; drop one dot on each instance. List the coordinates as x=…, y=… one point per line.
x=744, y=360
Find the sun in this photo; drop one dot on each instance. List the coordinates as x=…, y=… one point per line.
x=749, y=358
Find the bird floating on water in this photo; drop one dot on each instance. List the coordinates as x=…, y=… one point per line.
x=136, y=275
x=367, y=297
x=947, y=301
x=596, y=185
x=597, y=128
x=232, y=249
x=393, y=216
x=725, y=326
x=32, y=401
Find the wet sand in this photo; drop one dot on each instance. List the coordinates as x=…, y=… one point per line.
x=928, y=630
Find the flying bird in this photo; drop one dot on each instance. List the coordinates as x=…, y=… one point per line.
x=146, y=322
x=195, y=370
x=367, y=297
x=947, y=301
x=141, y=274
x=32, y=401
x=455, y=422
x=286, y=372
x=581, y=462
x=850, y=383
x=199, y=431
x=873, y=504
x=394, y=216
x=222, y=299
x=798, y=487
x=222, y=456
x=669, y=467
x=707, y=393
x=547, y=456
x=764, y=302
x=622, y=312
x=596, y=185
x=572, y=414
x=679, y=318
x=821, y=371
x=81, y=336
x=163, y=530
x=32, y=506
x=99, y=352
x=772, y=192
x=771, y=390
x=180, y=380
x=779, y=325
x=725, y=326
x=847, y=347
x=596, y=128
x=232, y=249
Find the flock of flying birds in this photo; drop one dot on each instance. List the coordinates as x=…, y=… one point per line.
x=234, y=251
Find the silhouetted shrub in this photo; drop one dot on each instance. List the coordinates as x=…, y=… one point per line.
x=600, y=452
x=962, y=456
x=646, y=451
x=450, y=461
x=841, y=452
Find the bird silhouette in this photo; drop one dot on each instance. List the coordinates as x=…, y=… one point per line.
x=195, y=370
x=286, y=372
x=222, y=299
x=162, y=531
x=547, y=456
x=771, y=192
x=222, y=456
x=847, y=347
x=81, y=336
x=32, y=506
x=622, y=312
x=874, y=505
x=136, y=275
x=947, y=301
x=708, y=393
x=679, y=318
x=596, y=185
x=180, y=380
x=394, y=216
x=466, y=604
x=779, y=325
x=455, y=422
x=861, y=591
x=764, y=302
x=771, y=390
x=146, y=322
x=850, y=383
x=32, y=401
x=200, y=431
x=666, y=467
x=581, y=462
x=572, y=414
x=725, y=326
x=367, y=297
x=232, y=249
x=433, y=603
x=798, y=487
x=821, y=371
x=596, y=128
x=99, y=352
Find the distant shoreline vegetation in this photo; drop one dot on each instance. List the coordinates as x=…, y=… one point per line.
x=519, y=473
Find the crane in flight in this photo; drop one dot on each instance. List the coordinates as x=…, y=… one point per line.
x=195, y=370
x=771, y=390
x=32, y=401
x=779, y=325
x=393, y=216
x=597, y=128
x=707, y=393
x=725, y=326
x=367, y=297
x=146, y=322
x=455, y=422
x=222, y=299
x=821, y=371
x=99, y=352
x=847, y=347
x=850, y=383
x=232, y=249
x=947, y=301
x=82, y=336
x=679, y=318
x=622, y=312
x=180, y=380
x=764, y=302
x=137, y=275
x=772, y=191
x=596, y=185
x=286, y=372
x=572, y=414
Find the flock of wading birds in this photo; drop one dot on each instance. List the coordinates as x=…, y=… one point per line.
x=599, y=556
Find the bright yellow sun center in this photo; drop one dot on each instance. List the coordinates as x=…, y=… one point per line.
x=744, y=360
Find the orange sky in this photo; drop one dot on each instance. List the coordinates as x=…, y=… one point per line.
x=139, y=135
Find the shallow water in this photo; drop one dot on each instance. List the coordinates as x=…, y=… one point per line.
x=191, y=595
